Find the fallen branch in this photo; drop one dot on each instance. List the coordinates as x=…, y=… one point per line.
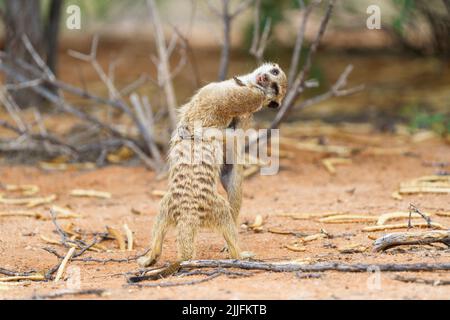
x=21, y=213
x=176, y=284
x=16, y=273
x=411, y=238
x=25, y=189
x=352, y=248
x=318, y=267
x=296, y=247
x=422, y=281
x=90, y=193
x=443, y=214
x=60, y=294
x=348, y=218
x=382, y=219
x=157, y=273
x=35, y=277
x=434, y=225
x=309, y=215
x=329, y=163
x=28, y=202
x=99, y=260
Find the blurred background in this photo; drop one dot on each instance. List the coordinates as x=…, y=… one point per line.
x=404, y=65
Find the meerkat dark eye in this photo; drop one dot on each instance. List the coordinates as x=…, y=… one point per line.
x=275, y=71
x=275, y=87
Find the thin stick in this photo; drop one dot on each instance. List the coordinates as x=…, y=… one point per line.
x=129, y=234
x=62, y=266
x=413, y=208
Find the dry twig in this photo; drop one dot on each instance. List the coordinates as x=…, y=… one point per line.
x=62, y=266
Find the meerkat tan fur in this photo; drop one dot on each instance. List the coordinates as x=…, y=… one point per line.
x=192, y=200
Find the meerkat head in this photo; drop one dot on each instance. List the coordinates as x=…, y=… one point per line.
x=272, y=78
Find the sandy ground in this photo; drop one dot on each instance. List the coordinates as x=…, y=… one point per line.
x=302, y=185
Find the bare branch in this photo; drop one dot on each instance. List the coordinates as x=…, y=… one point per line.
x=299, y=40
x=146, y=124
x=241, y=7
x=36, y=57
x=119, y=104
x=163, y=65
x=259, y=42
x=114, y=94
x=41, y=137
x=335, y=91
x=298, y=85
x=190, y=55
x=227, y=18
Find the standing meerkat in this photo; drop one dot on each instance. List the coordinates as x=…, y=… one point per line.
x=196, y=162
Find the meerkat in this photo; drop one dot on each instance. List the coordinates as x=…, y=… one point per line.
x=192, y=200
x=231, y=175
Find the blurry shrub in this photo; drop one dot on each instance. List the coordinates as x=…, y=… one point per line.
x=403, y=16
x=419, y=118
x=435, y=13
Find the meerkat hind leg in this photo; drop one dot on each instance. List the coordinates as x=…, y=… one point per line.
x=186, y=233
x=159, y=231
x=227, y=226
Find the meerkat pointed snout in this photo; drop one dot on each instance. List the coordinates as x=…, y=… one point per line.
x=192, y=200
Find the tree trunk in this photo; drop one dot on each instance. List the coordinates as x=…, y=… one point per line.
x=23, y=17
x=52, y=33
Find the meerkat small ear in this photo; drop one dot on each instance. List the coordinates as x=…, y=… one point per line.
x=239, y=81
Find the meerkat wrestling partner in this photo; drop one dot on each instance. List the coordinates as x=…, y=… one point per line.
x=192, y=200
